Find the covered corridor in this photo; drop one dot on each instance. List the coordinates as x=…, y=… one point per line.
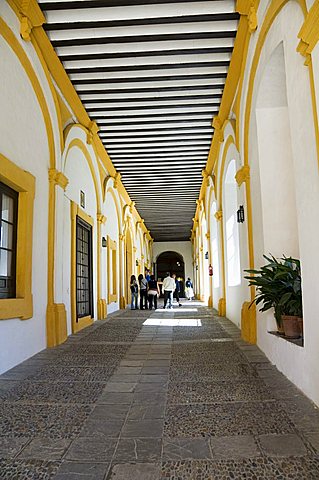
x=149, y=396
x=140, y=137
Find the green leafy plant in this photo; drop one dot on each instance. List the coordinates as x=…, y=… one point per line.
x=278, y=286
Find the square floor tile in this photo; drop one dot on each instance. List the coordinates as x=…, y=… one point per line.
x=92, y=449
x=146, y=411
x=143, y=428
x=137, y=471
x=186, y=448
x=237, y=446
x=138, y=450
x=282, y=445
x=83, y=471
x=46, y=448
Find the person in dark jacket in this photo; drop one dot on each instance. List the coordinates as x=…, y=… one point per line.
x=153, y=292
x=177, y=290
x=134, y=292
x=143, y=291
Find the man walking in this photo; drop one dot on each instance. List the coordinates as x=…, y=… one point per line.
x=168, y=288
x=177, y=289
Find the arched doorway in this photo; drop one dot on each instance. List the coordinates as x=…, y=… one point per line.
x=171, y=262
x=128, y=264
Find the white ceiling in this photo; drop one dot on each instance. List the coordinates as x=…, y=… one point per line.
x=151, y=74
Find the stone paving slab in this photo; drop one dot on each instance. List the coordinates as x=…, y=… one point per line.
x=124, y=400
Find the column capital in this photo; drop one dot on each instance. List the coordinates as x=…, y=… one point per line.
x=309, y=33
x=92, y=130
x=218, y=129
x=58, y=178
x=248, y=8
x=101, y=218
x=31, y=16
x=242, y=175
x=219, y=215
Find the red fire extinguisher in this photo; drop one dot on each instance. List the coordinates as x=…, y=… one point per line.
x=210, y=270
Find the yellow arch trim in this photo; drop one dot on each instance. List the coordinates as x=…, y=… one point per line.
x=271, y=14
x=110, y=190
x=76, y=142
x=230, y=141
x=14, y=44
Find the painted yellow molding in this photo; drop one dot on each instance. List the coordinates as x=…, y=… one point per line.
x=309, y=33
x=56, y=319
x=77, y=323
x=219, y=215
x=242, y=175
x=248, y=8
x=248, y=323
x=210, y=301
x=24, y=183
x=222, y=307
x=117, y=179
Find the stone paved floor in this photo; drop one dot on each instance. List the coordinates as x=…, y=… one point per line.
x=172, y=394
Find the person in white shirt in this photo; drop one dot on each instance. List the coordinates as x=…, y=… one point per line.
x=168, y=288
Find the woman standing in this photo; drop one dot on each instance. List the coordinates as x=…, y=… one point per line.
x=143, y=291
x=153, y=291
x=189, y=289
x=134, y=292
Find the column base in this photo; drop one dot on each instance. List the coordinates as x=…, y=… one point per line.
x=56, y=324
x=248, y=323
x=101, y=309
x=122, y=303
x=222, y=307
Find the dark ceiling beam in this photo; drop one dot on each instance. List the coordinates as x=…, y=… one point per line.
x=142, y=21
x=142, y=38
x=155, y=66
x=85, y=4
x=66, y=57
x=158, y=78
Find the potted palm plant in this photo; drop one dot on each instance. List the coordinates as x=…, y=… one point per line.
x=291, y=300
x=278, y=286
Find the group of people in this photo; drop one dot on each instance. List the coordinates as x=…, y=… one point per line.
x=148, y=289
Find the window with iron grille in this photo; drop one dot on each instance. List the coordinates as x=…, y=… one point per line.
x=84, y=280
x=8, y=241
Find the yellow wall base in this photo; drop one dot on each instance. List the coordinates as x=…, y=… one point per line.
x=122, y=303
x=101, y=309
x=201, y=298
x=222, y=307
x=210, y=301
x=56, y=324
x=248, y=323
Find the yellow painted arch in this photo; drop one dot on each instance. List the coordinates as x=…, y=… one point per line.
x=14, y=44
x=76, y=142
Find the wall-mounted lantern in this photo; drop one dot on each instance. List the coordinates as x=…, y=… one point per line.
x=136, y=263
x=241, y=214
x=206, y=255
x=196, y=267
x=104, y=242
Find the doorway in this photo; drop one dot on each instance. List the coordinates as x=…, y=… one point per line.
x=171, y=262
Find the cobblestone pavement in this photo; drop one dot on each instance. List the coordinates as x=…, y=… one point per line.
x=171, y=394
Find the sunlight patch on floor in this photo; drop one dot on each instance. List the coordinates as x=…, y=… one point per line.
x=173, y=322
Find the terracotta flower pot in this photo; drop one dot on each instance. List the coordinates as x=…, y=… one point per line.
x=291, y=326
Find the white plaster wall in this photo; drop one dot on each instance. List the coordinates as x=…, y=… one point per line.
x=183, y=248
x=299, y=364
x=78, y=172
x=23, y=140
